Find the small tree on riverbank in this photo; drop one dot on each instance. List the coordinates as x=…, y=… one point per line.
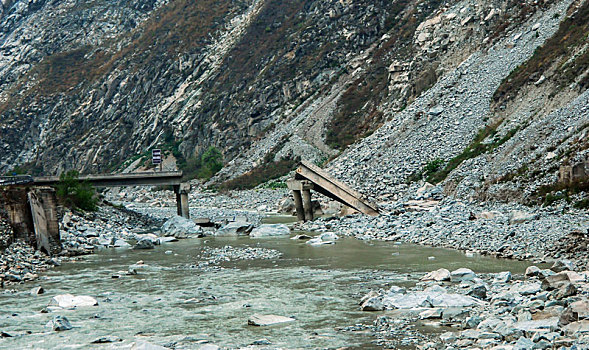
x=76, y=194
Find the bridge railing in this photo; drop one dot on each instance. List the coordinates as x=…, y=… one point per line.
x=16, y=180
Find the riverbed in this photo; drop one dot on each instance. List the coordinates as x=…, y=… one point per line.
x=178, y=301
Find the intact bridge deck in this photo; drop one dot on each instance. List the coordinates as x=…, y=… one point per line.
x=165, y=178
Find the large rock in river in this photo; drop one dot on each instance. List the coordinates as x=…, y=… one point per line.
x=268, y=320
x=69, y=301
x=269, y=230
x=237, y=228
x=180, y=227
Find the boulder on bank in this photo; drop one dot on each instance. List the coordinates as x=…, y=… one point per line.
x=180, y=227
x=563, y=265
x=237, y=228
x=144, y=243
x=69, y=301
x=269, y=230
x=519, y=217
x=462, y=274
x=438, y=275
x=287, y=206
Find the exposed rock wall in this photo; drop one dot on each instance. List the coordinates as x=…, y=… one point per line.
x=272, y=79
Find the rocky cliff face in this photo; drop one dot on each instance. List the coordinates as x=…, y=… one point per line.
x=394, y=85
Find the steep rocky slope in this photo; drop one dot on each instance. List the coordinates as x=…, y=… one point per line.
x=474, y=87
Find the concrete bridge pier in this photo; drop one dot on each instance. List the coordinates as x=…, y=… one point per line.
x=182, y=191
x=301, y=191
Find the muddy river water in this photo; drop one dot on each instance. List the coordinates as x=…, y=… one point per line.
x=175, y=302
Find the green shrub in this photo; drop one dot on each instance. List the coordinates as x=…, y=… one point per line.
x=205, y=166
x=261, y=174
x=76, y=194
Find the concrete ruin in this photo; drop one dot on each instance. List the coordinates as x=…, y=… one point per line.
x=572, y=173
x=32, y=213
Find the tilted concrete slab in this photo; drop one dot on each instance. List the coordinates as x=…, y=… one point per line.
x=334, y=189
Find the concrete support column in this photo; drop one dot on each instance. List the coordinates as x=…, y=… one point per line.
x=182, y=200
x=307, y=204
x=298, y=200
x=301, y=191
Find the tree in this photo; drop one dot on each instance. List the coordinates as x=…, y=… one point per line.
x=76, y=194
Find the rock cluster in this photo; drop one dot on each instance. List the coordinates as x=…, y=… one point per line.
x=504, y=230
x=541, y=310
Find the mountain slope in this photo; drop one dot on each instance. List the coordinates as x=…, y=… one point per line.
x=395, y=86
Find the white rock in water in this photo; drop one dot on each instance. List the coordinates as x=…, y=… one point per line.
x=268, y=320
x=180, y=227
x=269, y=230
x=317, y=241
x=59, y=323
x=69, y=301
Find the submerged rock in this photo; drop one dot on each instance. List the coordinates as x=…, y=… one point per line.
x=107, y=339
x=143, y=345
x=268, y=320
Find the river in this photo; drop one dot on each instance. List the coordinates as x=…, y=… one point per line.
x=173, y=301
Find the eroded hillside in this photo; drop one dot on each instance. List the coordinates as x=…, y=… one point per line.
x=488, y=96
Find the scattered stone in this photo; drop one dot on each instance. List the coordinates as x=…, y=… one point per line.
x=519, y=217
x=502, y=277
x=59, y=323
x=563, y=265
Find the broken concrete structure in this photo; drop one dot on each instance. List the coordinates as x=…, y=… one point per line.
x=32, y=213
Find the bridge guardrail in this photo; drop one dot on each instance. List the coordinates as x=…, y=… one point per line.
x=16, y=180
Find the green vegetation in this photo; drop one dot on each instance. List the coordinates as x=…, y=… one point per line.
x=562, y=50
x=475, y=149
x=265, y=172
x=205, y=166
x=549, y=194
x=273, y=185
x=430, y=168
x=76, y=194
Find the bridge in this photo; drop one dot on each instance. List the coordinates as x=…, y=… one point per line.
x=164, y=178
x=310, y=177
x=31, y=204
